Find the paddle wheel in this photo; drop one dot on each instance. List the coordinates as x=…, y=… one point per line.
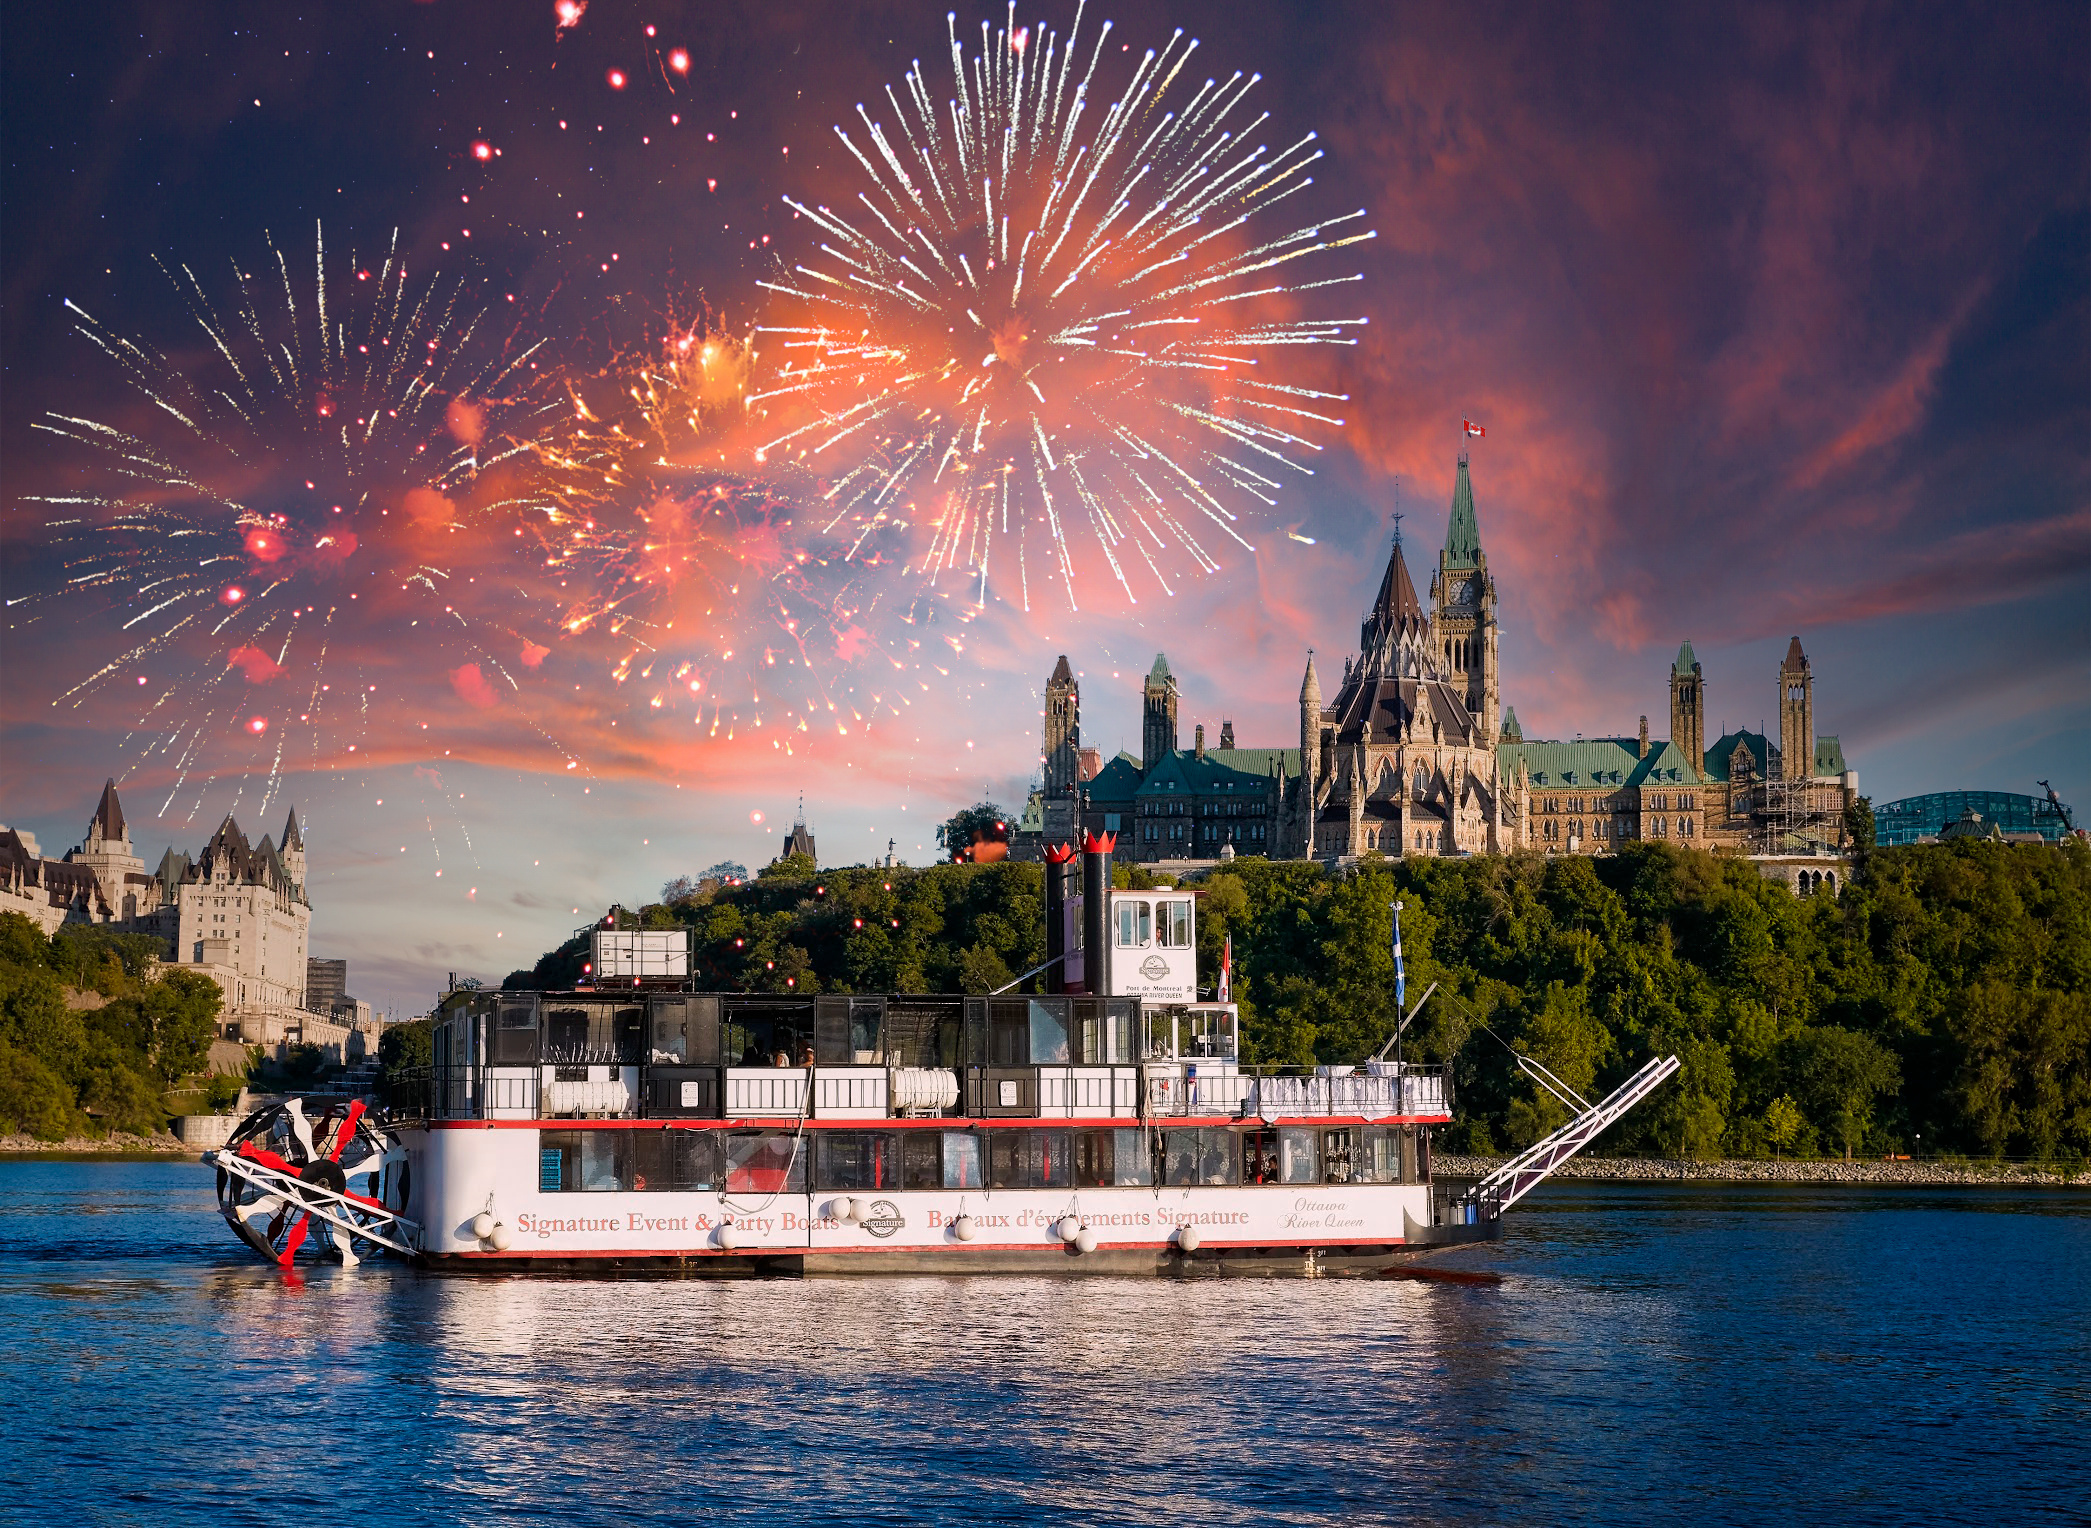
x=331, y=1187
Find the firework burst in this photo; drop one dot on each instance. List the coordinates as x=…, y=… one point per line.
x=1056, y=313
x=297, y=522
x=706, y=582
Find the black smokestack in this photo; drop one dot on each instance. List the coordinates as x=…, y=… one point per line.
x=1096, y=912
x=1059, y=883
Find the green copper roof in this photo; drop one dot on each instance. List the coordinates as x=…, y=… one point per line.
x=1720, y=756
x=1462, y=535
x=1512, y=732
x=1686, y=659
x=1829, y=757
x=1161, y=667
x=1601, y=763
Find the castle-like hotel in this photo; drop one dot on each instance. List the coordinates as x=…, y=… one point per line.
x=1413, y=753
x=237, y=912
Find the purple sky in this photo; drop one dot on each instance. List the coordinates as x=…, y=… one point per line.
x=1779, y=320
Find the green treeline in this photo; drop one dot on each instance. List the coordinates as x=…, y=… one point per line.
x=78, y=1072
x=1946, y=994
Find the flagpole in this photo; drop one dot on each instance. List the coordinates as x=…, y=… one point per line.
x=1401, y=985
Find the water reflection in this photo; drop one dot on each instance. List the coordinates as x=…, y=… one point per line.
x=1657, y=1351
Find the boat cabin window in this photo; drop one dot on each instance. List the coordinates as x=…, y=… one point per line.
x=1028, y=1032
x=1172, y=924
x=1135, y=925
x=765, y=1162
x=962, y=1159
x=756, y=1032
x=594, y=1032
x=1029, y=1159
x=1112, y=1159
x=1204, y=1156
x=1299, y=1155
x=1338, y=1155
x=515, y=1033
x=856, y=1159
x=628, y=1161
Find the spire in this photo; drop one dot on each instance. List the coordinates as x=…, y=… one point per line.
x=1395, y=638
x=1795, y=658
x=108, y=817
x=1062, y=674
x=292, y=838
x=1686, y=659
x=1462, y=533
x=1310, y=686
x=1160, y=672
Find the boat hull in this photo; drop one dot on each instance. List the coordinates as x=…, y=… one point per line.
x=758, y=1230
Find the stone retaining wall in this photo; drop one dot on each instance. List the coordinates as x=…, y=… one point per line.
x=1648, y=1169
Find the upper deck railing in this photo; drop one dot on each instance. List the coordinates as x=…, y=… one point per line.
x=1149, y=1090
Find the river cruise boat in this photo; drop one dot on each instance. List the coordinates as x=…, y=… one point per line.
x=637, y=1125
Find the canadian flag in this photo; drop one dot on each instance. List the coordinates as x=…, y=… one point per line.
x=1473, y=428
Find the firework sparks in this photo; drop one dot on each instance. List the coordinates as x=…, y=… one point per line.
x=718, y=594
x=302, y=510
x=1056, y=312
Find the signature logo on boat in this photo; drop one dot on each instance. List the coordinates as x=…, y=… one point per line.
x=885, y=1218
x=1154, y=968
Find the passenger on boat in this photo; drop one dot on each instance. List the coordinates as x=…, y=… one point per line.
x=806, y=1055
x=781, y=1059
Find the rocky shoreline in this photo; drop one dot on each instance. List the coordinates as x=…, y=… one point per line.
x=1655, y=1170
x=137, y=1147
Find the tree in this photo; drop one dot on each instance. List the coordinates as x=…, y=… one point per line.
x=1858, y=823
x=1782, y=1122
x=181, y=1018
x=982, y=822
x=405, y=1052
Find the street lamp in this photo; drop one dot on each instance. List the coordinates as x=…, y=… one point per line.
x=1918, y=1150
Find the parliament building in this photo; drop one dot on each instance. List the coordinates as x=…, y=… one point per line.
x=1413, y=752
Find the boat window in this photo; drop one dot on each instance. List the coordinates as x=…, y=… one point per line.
x=1172, y=924
x=558, y=1161
x=1029, y=1159
x=1299, y=1156
x=1048, y=1032
x=1096, y=1158
x=1338, y=1155
x=1377, y=1157
x=855, y=1159
x=761, y=1163
x=961, y=1159
x=671, y=1031
x=1135, y=925
x=1009, y=1033
x=1259, y=1156
x=603, y=1160
x=921, y=1159
x=1206, y=1156
x=1134, y=1159
x=673, y=1161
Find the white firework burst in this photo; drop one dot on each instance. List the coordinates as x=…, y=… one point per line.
x=1056, y=310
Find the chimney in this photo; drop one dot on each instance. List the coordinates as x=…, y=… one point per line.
x=1201, y=740
x=1096, y=912
x=1642, y=751
x=1060, y=878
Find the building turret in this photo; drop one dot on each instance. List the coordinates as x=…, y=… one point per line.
x=1394, y=640
x=106, y=850
x=1796, y=714
x=1310, y=754
x=1157, y=714
x=1061, y=762
x=1688, y=706
x=293, y=851
x=1463, y=610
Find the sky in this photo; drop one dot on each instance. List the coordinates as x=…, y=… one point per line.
x=1778, y=320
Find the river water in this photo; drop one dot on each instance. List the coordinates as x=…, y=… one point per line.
x=1629, y=1353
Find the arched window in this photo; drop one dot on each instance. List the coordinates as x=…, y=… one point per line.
x=1422, y=780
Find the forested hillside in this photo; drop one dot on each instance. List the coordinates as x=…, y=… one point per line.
x=67, y=1071
x=1946, y=994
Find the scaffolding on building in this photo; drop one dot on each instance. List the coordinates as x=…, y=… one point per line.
x=1794, y=816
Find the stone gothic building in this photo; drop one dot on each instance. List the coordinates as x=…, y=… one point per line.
x=1414, y=753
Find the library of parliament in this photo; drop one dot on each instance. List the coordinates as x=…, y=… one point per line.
x=1410, y=751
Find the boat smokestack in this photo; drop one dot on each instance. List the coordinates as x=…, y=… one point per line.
x=1060, y=875
x=1096, y=912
